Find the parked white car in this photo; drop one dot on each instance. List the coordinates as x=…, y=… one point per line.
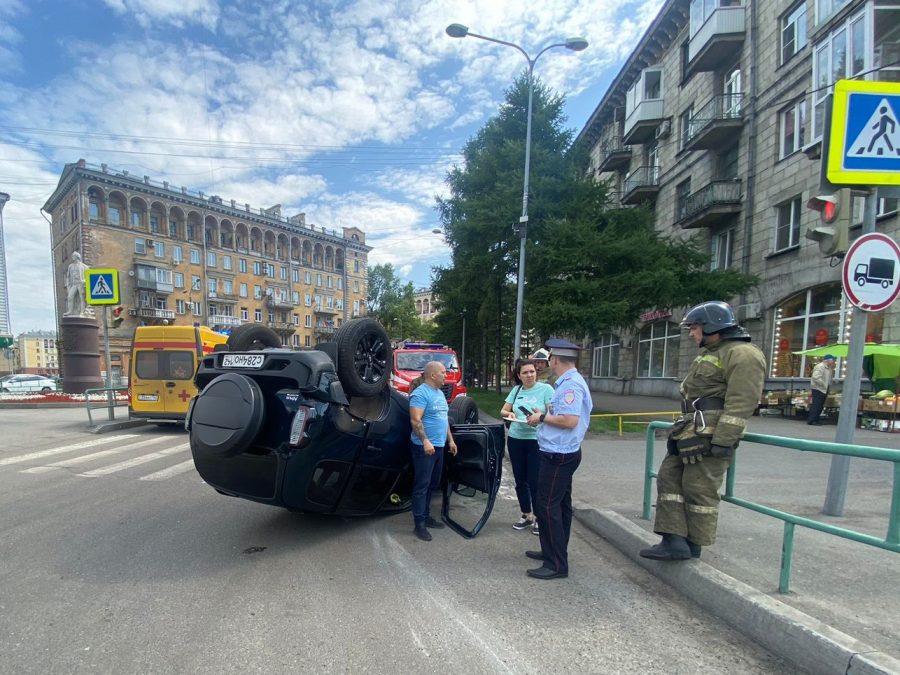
x=23, y=384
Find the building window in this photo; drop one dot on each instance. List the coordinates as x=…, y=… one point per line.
x=307, y=341
x=257, y=292
x=307, y=278
x=226, y=262
x=684, y=126
x=228, y=287
x=295, y=276
x=356, y=266
x=197, y=309
x=257, y=315
x=307, y=299
x=177, y=254
x=211, y=285
x=721, y=245
x=658, y=345
x=787, y=225
x=843, y=53
x=284, y=273
x=886, y=54
x=815, y=317
x=257, y=267
x=113, y=215
x=825, y=8
x=307, y=321
x=179, y=306
x=242, y=265
x=210, y=259
x=195, y=282
x=606, y=357
x=140, y=246
x=792, y=129
x=242, y=290
x=159, y=249
x=179, y=280
x=340, y=284
x=195, y=256
x=245, y=315
x=793, y=32
x=136, y=220
x=682, y=192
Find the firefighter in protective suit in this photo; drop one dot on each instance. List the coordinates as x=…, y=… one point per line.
x=719, y=394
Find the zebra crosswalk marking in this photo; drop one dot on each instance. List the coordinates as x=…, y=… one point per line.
x=136, y=461
x=70, y=462
x=171, y=471
x=65, y=448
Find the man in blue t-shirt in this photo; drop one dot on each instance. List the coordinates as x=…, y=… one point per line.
x=430, y=435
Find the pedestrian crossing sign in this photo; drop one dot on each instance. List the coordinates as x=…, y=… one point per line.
x=101, y=287
x=864, y=143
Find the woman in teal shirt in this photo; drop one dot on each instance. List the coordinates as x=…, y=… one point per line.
x=522, y=439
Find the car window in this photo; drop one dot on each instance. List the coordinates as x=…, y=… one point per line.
x=165, y=365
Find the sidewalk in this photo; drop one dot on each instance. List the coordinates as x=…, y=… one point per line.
x=848, y=586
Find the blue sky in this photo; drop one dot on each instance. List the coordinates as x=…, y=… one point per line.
x=351, y=111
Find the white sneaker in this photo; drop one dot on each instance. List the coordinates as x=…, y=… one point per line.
x=524, y=522
x=534, y=529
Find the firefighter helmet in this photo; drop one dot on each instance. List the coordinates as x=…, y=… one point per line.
x=714, y=316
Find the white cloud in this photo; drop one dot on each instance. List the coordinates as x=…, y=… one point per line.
x=176, y=12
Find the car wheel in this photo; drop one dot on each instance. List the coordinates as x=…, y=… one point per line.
x=227, y=416
x=364, y=357
x=252, y=336
x=46, y=390
x=463, y=410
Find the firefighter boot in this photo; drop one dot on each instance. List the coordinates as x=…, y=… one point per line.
x=672, y=547
x=695, y=549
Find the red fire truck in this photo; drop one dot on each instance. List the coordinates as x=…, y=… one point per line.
x=410, y=359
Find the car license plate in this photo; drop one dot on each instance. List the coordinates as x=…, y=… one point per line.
x=242, y=360
x=148, y=397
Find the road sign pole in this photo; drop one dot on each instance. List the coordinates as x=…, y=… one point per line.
x=109, y=394
x=840, y=465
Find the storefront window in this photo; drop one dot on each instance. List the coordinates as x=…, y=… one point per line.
x=658, y=345
x=606, y=357
x=814, y=318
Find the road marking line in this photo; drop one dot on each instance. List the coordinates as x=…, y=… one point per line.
x=128, y=463
x=65, y=448
x=95, y=455
x=171, y=471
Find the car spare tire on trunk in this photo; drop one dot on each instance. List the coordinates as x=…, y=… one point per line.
x=364, y=357
x=463, y=410
x=252, y=336
x=226, y=416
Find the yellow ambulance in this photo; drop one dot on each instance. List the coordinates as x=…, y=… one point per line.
x=164, y=360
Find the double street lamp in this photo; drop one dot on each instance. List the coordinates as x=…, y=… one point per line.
x=576, y=44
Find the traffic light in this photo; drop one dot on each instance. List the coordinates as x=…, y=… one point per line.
x=832, y=230
x=118, y=316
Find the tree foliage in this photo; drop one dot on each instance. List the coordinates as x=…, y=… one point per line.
x=393, y=303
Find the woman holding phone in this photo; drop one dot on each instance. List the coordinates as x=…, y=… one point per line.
x=528, y=395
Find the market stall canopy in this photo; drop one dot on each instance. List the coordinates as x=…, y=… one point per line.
x=880, y=361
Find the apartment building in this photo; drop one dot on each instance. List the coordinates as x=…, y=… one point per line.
x=426, y=307
x=36, y=353
x=185, y=257
x=716, y=122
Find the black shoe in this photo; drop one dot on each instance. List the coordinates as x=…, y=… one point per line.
x=433, y=524
x=695, y=549
x=672, y=547
x=535, y=555
x=544, y=573
x=422, y=532
x=814, y=424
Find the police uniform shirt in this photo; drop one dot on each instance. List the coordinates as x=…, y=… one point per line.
x=572, y=397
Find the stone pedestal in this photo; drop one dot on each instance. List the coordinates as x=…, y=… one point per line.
x=81, y=354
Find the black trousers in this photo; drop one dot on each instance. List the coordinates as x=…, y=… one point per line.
x=815, y=408
x=553, y=507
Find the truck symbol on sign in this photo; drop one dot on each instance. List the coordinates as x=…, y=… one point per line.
x=877, y=271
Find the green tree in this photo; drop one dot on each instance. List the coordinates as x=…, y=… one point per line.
x=591, y=268
x=392, y=303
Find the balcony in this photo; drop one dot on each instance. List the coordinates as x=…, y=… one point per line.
x=710, y=205
x=613, y=155
x=148, y=278
x=325, y=328
x=718, y=40
x=322, y=309
x=219, y=297
x=641, y=185
x=717, y=124
x=224, y=320
x=153, y=313
x=641, y=123
x=279, y=302
x=282, y=327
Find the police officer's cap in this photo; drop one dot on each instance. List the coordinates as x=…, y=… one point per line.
x=713, y=316
x=560, y=347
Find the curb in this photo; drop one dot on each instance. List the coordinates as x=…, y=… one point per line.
x=785, y=631
x=116, y=425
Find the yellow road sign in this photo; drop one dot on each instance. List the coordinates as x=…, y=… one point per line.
x=864, y=145
x=101, y=286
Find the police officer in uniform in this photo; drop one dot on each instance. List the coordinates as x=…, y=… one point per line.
x=560, y=432
x=720, y=393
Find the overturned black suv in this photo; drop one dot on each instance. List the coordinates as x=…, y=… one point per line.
x=321, y=431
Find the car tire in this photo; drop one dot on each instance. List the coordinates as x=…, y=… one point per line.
x=46, y=390
x=364, y=357
x=463, y=410
x=227, y=416
x=252, y=336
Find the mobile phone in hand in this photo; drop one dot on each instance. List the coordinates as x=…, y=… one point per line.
x=525, y=411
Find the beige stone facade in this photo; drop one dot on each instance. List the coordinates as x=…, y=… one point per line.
x=36, y=353
x=715, y=122
x=184, y=257
x=426, y=307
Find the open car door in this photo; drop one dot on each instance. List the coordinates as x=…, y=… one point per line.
x=473, y=476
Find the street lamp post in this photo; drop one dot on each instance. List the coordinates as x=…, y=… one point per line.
x=576, y=44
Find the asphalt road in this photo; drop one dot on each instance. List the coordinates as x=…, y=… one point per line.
x=117, y=558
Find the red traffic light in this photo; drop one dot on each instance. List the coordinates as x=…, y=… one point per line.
x=117, y=312
x=828, y=207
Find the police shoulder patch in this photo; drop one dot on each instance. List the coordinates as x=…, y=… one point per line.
x=569, y=396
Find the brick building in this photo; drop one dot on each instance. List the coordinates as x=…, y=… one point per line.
x=716, y=121
x=185, y=257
